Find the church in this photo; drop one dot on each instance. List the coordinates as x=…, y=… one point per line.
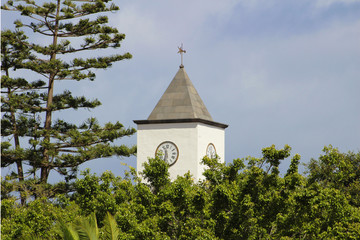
x=180, y=130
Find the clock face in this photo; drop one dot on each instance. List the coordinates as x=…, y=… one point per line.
x=211, y=151
x=168, y=152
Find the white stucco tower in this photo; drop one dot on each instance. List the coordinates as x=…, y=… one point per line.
x=180, y=130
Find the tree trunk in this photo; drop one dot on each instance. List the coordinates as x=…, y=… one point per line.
x=45, y=168
x=17, y=145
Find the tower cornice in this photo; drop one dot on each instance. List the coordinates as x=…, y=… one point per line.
x=183, y=120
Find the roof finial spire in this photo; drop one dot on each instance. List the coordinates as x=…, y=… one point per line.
x=181, y=51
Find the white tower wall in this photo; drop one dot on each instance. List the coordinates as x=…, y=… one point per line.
x=210, y=134
x=191, y=139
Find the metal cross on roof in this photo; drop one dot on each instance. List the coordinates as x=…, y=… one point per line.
x=181, y=51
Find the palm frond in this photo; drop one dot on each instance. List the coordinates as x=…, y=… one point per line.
x=111, y=230
x=88, y=228
x=68, y=232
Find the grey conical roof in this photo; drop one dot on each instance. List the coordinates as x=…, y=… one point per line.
x=180, y=101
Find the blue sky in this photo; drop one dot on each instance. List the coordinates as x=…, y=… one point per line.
x=278, y=72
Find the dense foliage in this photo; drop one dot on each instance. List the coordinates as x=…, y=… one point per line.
x=35, y=69
x=245, y=199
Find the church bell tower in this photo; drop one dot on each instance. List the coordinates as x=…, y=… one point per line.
x=180, y=130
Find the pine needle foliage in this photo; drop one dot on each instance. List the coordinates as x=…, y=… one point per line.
x=31, y=135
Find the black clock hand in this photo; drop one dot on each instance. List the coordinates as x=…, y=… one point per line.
x=166, y=155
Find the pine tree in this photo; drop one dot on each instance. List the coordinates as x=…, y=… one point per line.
x=30, y=133
x=13, y=123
